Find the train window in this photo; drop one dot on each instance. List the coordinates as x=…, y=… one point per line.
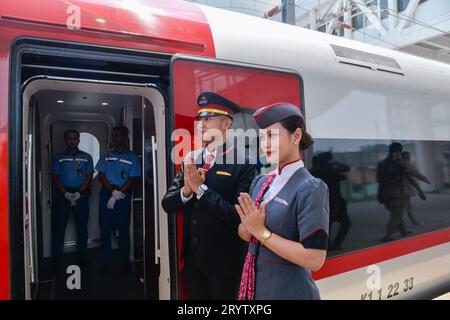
x=89, y=143
x=245, y=121
x=413, y=184
x=249, y=87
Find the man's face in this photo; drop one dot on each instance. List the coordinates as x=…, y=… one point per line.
x=118, y=138
x=72, y=140
x=213, y=127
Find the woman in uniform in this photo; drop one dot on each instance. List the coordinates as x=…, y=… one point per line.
x=285, y=216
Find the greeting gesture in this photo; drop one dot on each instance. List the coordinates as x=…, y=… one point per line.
x=187, y=191
x=253, y=219
x=194, y=177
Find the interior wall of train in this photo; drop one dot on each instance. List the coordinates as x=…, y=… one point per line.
x=52, y=107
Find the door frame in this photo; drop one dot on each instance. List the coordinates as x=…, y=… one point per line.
x=156, y=96
x=54, y=48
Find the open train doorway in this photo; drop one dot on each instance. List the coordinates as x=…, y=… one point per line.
x=93, y=108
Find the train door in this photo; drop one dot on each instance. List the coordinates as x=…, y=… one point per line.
x=141, y=109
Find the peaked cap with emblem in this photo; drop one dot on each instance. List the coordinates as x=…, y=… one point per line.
x=212, y=104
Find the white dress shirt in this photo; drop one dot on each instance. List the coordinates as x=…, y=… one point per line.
x=206, y=153
x=281, y=178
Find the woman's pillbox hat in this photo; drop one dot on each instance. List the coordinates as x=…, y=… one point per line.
x=268, y=115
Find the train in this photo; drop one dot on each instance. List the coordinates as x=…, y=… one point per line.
x=93, y=64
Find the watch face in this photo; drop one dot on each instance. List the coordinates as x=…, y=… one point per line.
x=266, y=234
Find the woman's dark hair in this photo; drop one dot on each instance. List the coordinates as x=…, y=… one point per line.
x=291, y=124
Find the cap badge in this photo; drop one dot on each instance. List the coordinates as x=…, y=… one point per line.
x=203, y=101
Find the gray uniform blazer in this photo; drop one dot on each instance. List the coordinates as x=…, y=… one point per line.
x=300, y=209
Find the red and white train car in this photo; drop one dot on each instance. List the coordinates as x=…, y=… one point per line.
x=93, y=64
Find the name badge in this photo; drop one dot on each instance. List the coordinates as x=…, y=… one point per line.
x=279, y=200
x=223, y=173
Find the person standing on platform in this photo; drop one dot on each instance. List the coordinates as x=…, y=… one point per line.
x=206, y=189
x=286, y=215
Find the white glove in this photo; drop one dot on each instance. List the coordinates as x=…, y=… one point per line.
x=111, y=203
x=76, y=196
x=69, y=197
x=118, y=195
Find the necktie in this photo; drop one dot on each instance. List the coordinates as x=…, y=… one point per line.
x=208, y=162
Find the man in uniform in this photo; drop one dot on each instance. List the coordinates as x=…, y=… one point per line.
x=72, y=176
x=117, y=170
x=207, y=192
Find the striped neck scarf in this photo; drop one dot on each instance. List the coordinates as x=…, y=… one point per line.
x=247, y=287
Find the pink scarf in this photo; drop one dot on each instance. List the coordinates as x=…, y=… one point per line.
x=247, y=288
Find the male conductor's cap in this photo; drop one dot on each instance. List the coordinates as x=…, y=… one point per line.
x=212, y=104
x=268, y=115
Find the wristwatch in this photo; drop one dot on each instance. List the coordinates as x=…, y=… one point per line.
x=201, y=190
x=265, y=236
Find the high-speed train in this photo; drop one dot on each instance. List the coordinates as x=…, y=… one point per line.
x=94, y=64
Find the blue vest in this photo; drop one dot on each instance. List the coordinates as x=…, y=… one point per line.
x=119, y=167
x=72, y=168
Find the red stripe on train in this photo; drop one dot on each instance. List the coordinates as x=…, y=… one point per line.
x=360, y=259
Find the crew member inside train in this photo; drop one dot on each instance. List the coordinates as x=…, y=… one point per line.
x=206, y=188
x=72, y=176
x=117, y=170
x=285, y=216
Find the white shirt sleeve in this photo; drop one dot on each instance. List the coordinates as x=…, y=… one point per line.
x=183, y=198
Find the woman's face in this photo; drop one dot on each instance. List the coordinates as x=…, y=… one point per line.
x=278, y=144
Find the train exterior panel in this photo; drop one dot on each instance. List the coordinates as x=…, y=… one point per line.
x=353, y=95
